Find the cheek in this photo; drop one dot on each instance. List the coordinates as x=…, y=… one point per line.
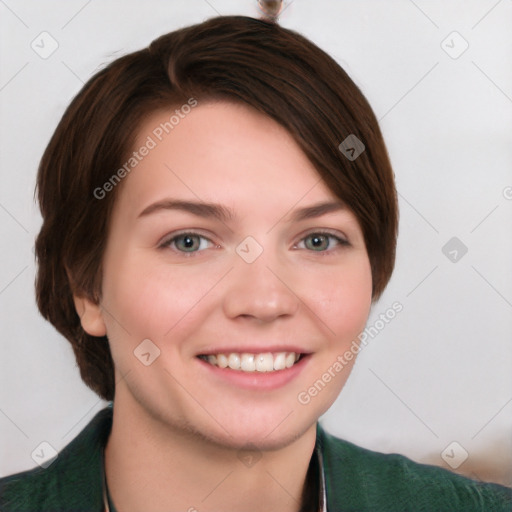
x=148, y=297
x=342, y=298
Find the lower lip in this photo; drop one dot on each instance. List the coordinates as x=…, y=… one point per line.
x=259, y=381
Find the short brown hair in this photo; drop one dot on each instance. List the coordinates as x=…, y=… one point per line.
x=272, y=69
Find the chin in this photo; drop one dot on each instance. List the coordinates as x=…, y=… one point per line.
x=243, y=439
x=270, y=431
x=267, y=425
x=265, y=433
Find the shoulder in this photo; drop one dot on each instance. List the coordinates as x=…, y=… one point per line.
x=360, y=479
x=72, y=482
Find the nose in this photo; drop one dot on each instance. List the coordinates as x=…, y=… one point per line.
x=261, y=290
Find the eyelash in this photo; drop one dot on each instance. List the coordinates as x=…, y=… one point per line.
x=167, y=243
x=340, y=242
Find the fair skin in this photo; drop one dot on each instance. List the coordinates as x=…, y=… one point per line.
x=181, y=424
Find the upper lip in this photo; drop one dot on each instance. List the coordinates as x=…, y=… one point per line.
x=251, y=349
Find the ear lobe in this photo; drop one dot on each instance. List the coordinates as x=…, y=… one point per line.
x=90, y=316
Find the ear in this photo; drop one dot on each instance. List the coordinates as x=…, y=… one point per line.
x=90, y=315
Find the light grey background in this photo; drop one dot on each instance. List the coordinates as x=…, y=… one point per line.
x=441, y=370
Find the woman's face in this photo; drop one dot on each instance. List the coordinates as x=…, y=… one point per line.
x=224, y=240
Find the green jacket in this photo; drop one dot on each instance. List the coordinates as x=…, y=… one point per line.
x=356, y=480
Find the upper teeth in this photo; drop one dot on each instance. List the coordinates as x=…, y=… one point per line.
x=264, y=362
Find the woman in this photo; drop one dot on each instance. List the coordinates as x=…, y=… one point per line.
x=219, y=212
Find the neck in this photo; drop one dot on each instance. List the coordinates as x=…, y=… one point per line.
x=151, y=467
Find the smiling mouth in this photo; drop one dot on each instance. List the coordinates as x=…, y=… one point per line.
x=247, y=362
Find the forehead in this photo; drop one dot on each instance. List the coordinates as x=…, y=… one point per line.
x=221, y=152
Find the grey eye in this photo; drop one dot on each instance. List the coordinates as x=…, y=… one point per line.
x=317, y=242
x=187, y=242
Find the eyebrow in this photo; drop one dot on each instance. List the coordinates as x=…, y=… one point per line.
x=317, y=210
x=199, y=208
x=219, y=212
